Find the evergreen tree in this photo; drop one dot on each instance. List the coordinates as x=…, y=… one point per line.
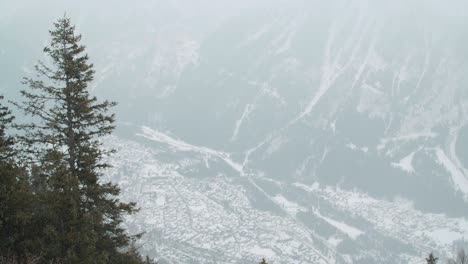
x=81, y=214
x=16, y=243
x=431, y=259
x=263, y=261
x=7, y=152
x=56, y=209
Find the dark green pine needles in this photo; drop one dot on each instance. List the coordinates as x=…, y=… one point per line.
x=78, y=214
x=17, y=235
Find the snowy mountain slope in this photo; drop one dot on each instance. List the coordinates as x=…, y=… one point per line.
x=302, y=131
x=225, y=217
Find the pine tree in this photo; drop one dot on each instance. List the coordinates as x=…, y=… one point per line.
x=85, y=214
x=7, y=151
x=263, y=261
x=431, y=259
x=17, y=241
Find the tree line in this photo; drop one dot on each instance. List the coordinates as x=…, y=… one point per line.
x=54, y=205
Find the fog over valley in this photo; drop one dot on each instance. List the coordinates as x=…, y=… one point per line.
x=296, y=131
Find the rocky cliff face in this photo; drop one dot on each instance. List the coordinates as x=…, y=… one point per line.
x=301, y=131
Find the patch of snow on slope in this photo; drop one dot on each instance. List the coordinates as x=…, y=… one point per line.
x=314, y=187
x=328, y=76
x=459, y=179
x=265, y=252
x=183, y=146
x=275, y=145
x=445, y=236
x=373, y=101
x=351, y=146
x=376, y=62
x=452, y=154
x=406, y=164
x=247, y=110
x=333, y=126
x=333, y=65
x=350, y=231
x=291, y=207
x=287, y=43
x=160, y=200
x=272, y=92
x=257, y=35
x=187, y=53
x=335, y=241
x=408, y=137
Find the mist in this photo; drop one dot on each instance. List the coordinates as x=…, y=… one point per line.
x=299, y=131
